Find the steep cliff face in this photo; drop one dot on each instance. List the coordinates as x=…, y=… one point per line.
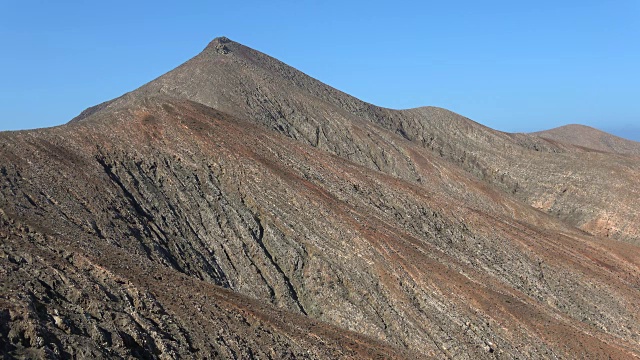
x=237, y=208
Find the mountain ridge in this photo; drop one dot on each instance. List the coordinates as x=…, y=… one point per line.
x=249, y=84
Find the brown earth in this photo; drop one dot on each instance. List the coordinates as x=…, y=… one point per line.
x=590, y=138
x=236, y=208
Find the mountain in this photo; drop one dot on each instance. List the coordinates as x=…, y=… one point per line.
x=237, y=208
x=559, y=179
x=591, y=138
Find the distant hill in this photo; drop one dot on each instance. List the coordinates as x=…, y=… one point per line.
x=588, y=137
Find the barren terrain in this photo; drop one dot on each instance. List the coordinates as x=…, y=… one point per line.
x=237, y=208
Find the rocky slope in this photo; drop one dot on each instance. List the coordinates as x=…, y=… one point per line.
x=591, y=138
x=235, y=208
x=556, y=177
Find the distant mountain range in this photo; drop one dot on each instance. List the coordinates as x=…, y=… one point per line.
x=238, y=208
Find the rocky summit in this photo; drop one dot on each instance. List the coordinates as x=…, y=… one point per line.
x=236, y=208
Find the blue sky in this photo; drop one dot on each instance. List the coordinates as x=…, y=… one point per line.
x=513, y=66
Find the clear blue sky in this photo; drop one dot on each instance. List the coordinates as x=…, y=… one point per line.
x=511, y=65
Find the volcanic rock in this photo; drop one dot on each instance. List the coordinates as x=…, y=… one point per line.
x=237, y=208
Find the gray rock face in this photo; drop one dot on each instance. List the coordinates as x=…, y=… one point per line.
x=236, y=208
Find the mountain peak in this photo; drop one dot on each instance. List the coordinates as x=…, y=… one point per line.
x=220, y=45
x=235, y=191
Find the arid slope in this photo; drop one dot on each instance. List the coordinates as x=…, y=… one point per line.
x=590, y=138
x=236, y=208
x=561, y=179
